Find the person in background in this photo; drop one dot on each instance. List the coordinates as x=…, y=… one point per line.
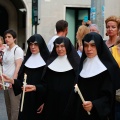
x=2, y=49
x=112, y=29
x=88, y=23
x=12, y=60
x=115, y=50
x=61, y=29
x=94, y=28
x=2, y=45
x=33, y=65
x=58, y=79
x=79, y=51
x=81, y=32
x=83, y=22
x=96, y=85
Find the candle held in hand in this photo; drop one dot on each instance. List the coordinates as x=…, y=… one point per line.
x=23, y=95
x=80, y=94
x=2, y=80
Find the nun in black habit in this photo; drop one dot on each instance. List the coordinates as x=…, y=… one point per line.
x=58, y=78
x=97, y=80
x=33, y=65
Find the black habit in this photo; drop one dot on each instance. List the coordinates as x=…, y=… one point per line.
x=32, y=100
x=99, y=89
x=58, y=85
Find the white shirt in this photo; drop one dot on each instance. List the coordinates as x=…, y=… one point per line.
x=79, y=53
x=50, y=44
x=9, y=58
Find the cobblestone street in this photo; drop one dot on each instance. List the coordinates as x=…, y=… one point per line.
x=3, y=114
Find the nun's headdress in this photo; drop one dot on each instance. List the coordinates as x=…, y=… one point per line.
x=42, y=46
x=44, y=52
x=71, y=53
x=104, y=55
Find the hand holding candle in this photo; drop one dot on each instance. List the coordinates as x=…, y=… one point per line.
x=2, y=80
x=80, y=94
x=23, y=95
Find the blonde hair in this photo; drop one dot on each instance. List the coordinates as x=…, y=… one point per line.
x=114, y=19
x=82, y=31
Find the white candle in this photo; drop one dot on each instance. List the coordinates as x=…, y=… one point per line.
x=80, y=94
x=23, y=95
x=2, y=80
x=25, y=78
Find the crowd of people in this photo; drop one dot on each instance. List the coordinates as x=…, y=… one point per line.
x=41, y=85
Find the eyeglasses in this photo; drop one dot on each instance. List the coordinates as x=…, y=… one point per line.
x=33, y=44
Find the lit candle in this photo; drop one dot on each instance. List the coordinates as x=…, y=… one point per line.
x=23, y=95
x=80, y=94
x=2, y=80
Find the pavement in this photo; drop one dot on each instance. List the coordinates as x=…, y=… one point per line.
x=3, y=114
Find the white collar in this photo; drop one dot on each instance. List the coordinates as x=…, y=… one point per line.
x=60, y=64
x=35, y=61
x=92, y=67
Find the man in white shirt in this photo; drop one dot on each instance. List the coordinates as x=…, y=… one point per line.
x=61, y=29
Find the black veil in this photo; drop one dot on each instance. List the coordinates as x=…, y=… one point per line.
x=104, y=55
x=71, y=53
x=42, y=47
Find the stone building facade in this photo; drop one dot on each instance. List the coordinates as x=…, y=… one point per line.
x=17, y=15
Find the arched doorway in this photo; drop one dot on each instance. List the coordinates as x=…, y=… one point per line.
x=3, y=20
x=12, y=18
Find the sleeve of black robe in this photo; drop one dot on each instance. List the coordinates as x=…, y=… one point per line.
x=41, y=88
x=18, y=83
x=103, y=104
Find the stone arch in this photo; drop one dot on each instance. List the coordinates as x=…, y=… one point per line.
x=3, y=20
x=12, y=14
x=18, y=19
